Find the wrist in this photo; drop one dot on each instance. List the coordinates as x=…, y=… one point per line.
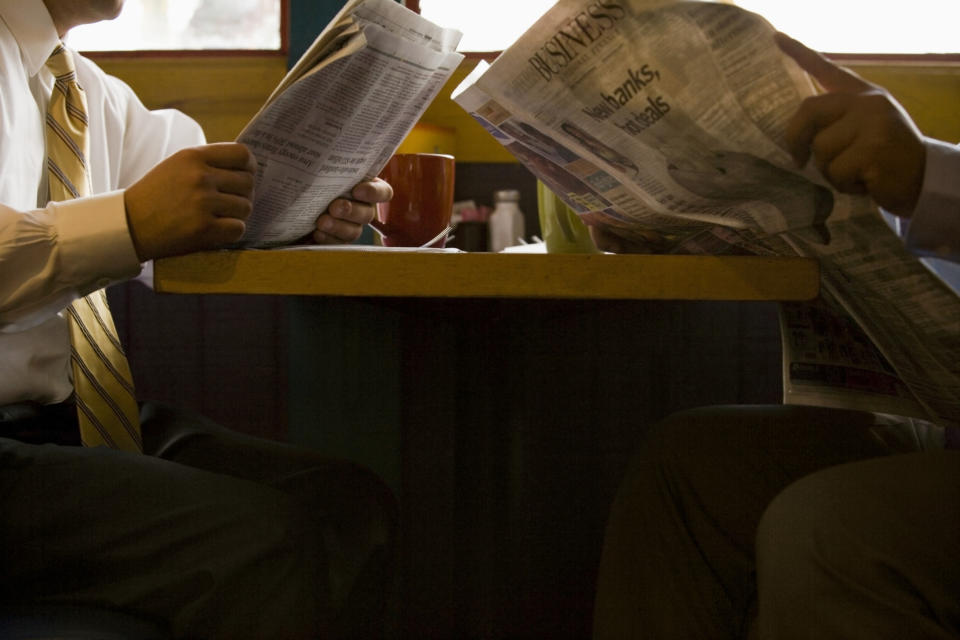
x=95, y=239
x=935, y=219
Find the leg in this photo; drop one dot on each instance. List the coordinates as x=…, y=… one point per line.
x=678, y=557
x=300, y=547
x=173, y=544
x=864, y=550
x=350, y=514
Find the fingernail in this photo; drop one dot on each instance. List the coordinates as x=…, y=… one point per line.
x=340, y=208
x=363, y=192
x=326, y=224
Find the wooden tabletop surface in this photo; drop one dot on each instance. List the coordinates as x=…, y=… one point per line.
x=487, y=275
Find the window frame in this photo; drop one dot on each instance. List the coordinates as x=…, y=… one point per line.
x=947, y=59
x=283, y=51
x=937, y=60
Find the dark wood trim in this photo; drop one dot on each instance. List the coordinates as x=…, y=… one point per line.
x=930, y=59
x=186, y=53
x=918, y=59
x=285, y=27
x=489, y=56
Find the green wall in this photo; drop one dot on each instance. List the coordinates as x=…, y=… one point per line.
x=307, y=19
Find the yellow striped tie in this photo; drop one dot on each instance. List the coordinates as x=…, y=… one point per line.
x=106, y=405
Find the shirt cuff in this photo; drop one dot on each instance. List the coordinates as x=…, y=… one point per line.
x=934, y=228
x=96, y=249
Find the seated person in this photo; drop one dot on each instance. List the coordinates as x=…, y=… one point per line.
x=784, y=522
x=209, y=533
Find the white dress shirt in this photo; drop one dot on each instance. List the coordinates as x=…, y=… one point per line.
x=52, y=254
x=934, y=228
x=933, y=232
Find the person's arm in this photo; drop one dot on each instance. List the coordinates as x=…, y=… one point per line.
x=153, y=135
x=164, y=193
x=48, y=251
x=863, y=141
x=196, y=199
x=859, y=137
x=200, y=197
x=934, y=228
x=57, y=253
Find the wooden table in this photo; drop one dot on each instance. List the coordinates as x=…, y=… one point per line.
x=485, y=275
x=500, y=396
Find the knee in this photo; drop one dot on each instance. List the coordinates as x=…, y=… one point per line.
x=357, y=517
x=351, y=500
x=328, y=535
x=670, y=461
x=354, y=515
x=799, y=531
x=272, y=528
x=672, y=440
x=675, y=448
x=653, y=460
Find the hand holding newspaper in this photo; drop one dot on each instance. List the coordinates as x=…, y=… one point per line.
x=663, y=121
x=341, y=112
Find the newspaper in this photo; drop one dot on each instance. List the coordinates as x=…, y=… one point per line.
x=341, y=112
x=663, y=121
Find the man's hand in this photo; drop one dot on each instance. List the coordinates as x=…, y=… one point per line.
x=196, y=199
x=607, y=241
x=860, y=138
x=344, y=219
x=639, y=240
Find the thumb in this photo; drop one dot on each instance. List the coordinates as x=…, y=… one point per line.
x=831, y=77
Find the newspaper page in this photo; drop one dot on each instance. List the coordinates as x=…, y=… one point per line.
x=829, y=361
x=341, y=112
x=663, y=121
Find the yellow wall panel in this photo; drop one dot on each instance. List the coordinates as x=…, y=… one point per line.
x=474, y=144
x=430, y=138
x=930, y=92
x=222, y=93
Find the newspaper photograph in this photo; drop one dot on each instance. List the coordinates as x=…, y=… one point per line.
x=341, y=112
x=663, y=122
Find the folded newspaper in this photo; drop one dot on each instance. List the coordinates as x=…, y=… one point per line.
x=663, y=121
x=341, y=112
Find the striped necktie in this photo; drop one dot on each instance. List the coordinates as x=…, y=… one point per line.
x=106, y=405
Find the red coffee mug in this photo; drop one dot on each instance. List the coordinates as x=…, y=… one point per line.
x=422, y=200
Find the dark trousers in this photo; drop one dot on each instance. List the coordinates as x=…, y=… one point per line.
x=212, y=533
x=850, y=528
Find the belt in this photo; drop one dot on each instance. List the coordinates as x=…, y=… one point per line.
x=35, y=423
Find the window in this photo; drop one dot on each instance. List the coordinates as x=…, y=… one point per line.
x=490, y=25
x=185, y=24
x=866, y=26
x=836, y=26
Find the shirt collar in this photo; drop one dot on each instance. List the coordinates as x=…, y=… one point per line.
x=31, y=24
